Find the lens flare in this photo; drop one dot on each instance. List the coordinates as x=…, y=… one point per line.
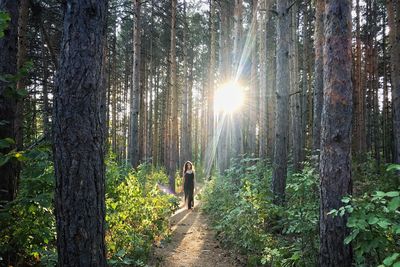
x=229, y=98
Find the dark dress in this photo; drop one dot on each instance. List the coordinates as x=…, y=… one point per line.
x=189, y=188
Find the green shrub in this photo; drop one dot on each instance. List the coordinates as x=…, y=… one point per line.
x=137, y=213
x=240, y=206
x=374, y=221
x=28, y=222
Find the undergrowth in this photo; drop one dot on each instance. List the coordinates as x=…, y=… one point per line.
x=239, y=203
x=137, y=213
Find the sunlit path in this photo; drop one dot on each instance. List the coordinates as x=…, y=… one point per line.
x=193, y=243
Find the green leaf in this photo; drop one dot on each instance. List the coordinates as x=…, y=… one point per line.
x=351, y=237
x=6, y=142
x=373, y=220
x=380, y=194
x=22, y=92
x=383, y=224
x=346, y=200
x=390, y=260
x=396, y=264
x=393, y=194
x=394, y=204
x=4, y=159
x=393, y=167
x=4, y=19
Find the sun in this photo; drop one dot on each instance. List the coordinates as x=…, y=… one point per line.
x=229, y=98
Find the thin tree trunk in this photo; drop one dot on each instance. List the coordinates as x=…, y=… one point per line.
x=262, y=33
x=271, y=82
x=252, y=102
x=296, y=96
x=135, y=88
x=393, y=10
x=174, y=152
x=79, y=136
x=211, y=89
x=318, y=74
x=335, y=169
x=282, y=97
x=184, y=119
x=9, y=171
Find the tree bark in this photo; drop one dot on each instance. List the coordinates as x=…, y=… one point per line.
x=79, y=136
x=296, y=96
x=9, y=172
x=393, y=9
x=211, y=89
x=135, y=89
x=173, y=151
x=318, y=75
x=282, y=99
x=335, y=169
x=253, y=94
x=262, y=33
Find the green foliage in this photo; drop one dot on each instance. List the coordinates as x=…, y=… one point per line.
x=4, y=20
x=137, y=213
x=28, y=223
x=240, y=205
x=374, y=222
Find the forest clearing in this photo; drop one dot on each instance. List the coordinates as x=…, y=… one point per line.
x=200, y=133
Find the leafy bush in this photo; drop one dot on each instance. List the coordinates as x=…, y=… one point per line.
x=137, y=213
x=240, y=205
x=374, y=221
x=28, y=222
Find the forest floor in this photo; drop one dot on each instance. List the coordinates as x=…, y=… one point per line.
x=192, y=244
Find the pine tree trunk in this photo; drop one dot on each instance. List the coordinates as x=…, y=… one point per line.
x=296, y=94
x=318, y=75
x=135, y=89
x=282, y=102
x=21, y=60
x=393, y=9
x=335, y=169
x=211, y=89
x=252, y=101
x=262, y=33
x=173, y=152
x=79, y=136
x=9, y=172
x=271, y=82
x=184, y=119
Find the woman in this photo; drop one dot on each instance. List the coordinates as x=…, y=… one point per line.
x=188, y=183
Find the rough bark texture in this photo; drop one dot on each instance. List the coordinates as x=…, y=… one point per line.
x=335, y=169
x=8, y=103
x=393, y=8
x=209, y=157
x=173, y=152
x=282, y=102
x=318, y=74
x=262, y=135
x=296, y=97
x=135, y=92
x=253, y=94
x=21, y=60
x=271, y=81
x=359, y=136
x=79, y=136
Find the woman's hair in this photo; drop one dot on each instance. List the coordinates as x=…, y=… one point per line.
x=185, y=167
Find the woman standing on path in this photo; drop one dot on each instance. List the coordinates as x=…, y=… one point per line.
x=188, y=183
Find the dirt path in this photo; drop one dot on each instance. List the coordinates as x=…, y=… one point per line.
x=193, y=243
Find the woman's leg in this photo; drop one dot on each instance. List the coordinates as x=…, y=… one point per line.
x=191, y=200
